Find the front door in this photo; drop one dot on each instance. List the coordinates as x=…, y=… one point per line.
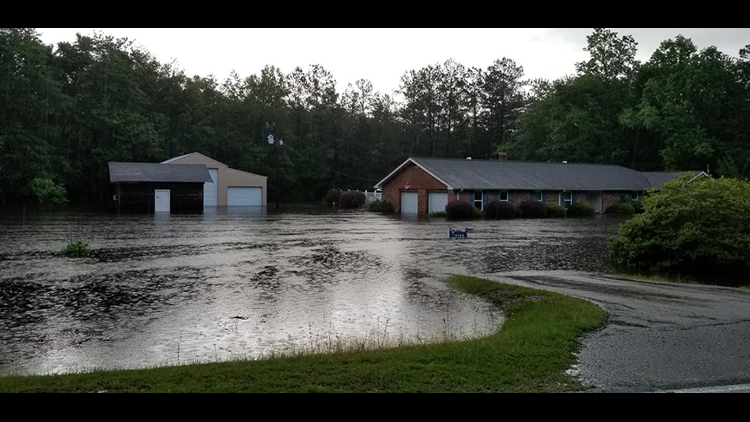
x=162, y=200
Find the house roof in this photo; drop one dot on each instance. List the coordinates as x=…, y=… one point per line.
x=201, y=157
x=658, y=178
x=524, y=175
x=155, y=172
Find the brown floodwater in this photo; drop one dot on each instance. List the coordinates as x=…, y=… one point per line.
x=162, y=290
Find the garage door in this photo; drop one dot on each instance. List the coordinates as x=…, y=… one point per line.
x=408, y=202
x=437, y=201
x=211, y=190
x=244, y=197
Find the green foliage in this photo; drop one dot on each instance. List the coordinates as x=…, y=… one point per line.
x=76, y=249
x=437, y=214
x=698, y=227
x=384, y=207
x=459, y=210
x=637, y=206
x=477, y=213
x=622, y=208
x=45, y=191
x=532, y=352
x=332, y=196
x=500, y=210
x=581, y=209
x=352, y=199
x=533, y=209
x=555, y=211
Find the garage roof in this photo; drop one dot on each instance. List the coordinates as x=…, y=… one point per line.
x=155, y=172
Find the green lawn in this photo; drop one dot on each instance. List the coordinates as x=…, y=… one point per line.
x=530, y=353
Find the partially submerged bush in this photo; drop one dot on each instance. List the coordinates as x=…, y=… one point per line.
x=384, y=207
x=500, y=210
x=76, y=250
x=637, y=206
x=477, y=213
x=459, y=210
x=437, y=214
x=533, y=209
x=689, y=227
x=622, y=208
x=581, y=209
x=332, y=196
x=555, y=211
x=45, y=191
x=352, y=199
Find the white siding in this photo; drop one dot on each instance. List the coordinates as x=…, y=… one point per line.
x=244, y=197
x=211, y=190
x=408, y=203
x=436, y=201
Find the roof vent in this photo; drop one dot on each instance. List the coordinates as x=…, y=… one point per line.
x=468, y=158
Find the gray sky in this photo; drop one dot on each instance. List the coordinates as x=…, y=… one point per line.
x=383, y=55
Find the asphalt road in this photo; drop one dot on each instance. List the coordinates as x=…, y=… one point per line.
x=659, y=336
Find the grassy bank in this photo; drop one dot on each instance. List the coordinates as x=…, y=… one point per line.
x=530, y=353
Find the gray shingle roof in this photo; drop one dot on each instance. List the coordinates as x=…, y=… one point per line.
x=522, y=175
x=155, y=172
x=657, y=178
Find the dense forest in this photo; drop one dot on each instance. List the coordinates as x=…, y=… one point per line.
x=67, y=110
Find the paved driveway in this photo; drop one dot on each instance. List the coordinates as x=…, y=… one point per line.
x=659, y=336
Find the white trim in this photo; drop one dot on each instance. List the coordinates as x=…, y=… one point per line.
x=481, y=199
x=507, y=196
x=380, y=183
x=541, y=195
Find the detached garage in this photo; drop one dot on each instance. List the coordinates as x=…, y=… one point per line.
x=228, y=187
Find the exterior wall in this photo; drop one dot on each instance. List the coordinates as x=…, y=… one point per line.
x=228, y=177
x=412, y=179
x=553, y=197
x=582, y=197
x=139, y=197
x=611, y=198
x=519, y=197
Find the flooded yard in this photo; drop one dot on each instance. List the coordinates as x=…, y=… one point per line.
x=178, y=289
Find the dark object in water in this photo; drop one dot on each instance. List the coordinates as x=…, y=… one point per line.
x=458, y=234
x=239, y=317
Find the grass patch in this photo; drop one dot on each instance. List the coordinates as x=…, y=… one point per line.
x=530, y=353
x=437, y=214
x=678, y=278
x=76, y=250
x=745, y=287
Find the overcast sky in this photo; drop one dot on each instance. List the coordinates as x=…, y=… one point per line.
x=383, y=55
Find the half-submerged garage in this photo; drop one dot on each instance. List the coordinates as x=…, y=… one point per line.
x=158, y=188
x=228, y=187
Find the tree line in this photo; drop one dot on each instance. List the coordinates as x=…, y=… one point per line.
x=65, y=112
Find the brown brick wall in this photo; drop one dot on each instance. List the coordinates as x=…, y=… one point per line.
x=520, y=196
x=611, y=198
x=553, y=197
x=413, y=179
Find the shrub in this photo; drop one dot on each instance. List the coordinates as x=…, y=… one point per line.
x=622, y=208
x=700, y=227
x=76, y=250
x=533, y=209
x=581, y=209
x=45, y=191
x=459, y=210
x=436, y=214
x=555, y=211
x=637, y=206
x=352, y=199
x=477, y=213
x=332, y=196
x=500, y=210
x=384, y=207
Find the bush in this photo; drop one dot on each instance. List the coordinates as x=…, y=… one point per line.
x=699, y=228
x=581, y=209
x=555, y=211
x=499, y=210
x=332, y=196
x=622, y=208
x=638, y=206
x=76, y=250
x=45, y=191
x=352, y=199
x=477, y=213
x=384, y=207
x=533, y=209
x=436, y=214
x=459, y=210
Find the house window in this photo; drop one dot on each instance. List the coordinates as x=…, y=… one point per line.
x=478, y=199
x=635, y=196
x=537, y=196
x=566, y=199
x=503, y=196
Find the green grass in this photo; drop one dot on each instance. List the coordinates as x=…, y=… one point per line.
x=656, y=277
x=530, y=353
x=437, y=214
x=76, y=249
x=745, y=287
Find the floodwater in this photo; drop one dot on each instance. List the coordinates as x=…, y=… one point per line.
x=163, y=290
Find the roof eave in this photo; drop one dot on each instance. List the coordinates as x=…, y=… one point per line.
x=413, y=161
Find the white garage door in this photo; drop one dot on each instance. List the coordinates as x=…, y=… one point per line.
x=408, y=202
x=437, y=201
x=244, y=197
x=211, y=190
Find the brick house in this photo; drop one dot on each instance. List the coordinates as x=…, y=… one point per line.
x=423, y=185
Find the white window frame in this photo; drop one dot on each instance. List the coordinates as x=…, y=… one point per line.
x=500, y=196
x=561, y=198
x=541, y=195
x=635, y=196
x=481, y=199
